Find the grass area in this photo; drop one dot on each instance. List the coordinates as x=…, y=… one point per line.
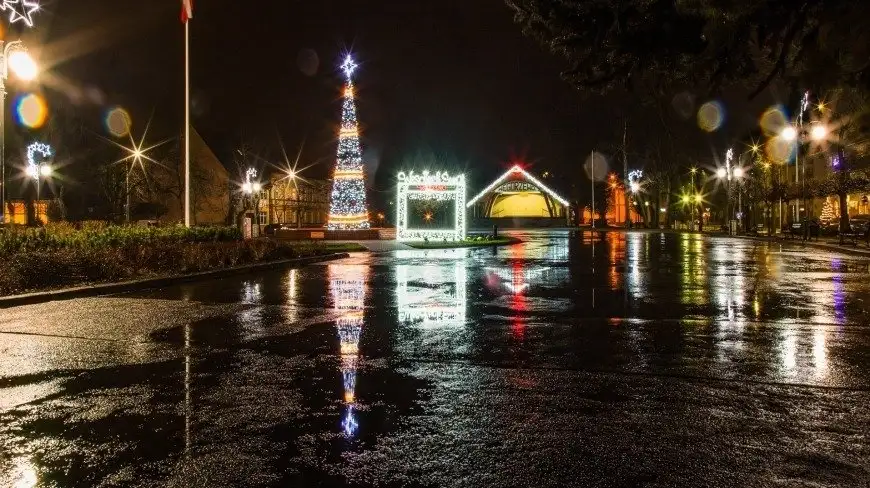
x=469, y=242
x=64, y=255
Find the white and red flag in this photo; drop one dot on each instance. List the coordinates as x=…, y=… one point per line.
x=186, y=10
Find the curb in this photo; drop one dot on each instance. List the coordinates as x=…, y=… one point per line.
x=125, y=286
x=804, y=244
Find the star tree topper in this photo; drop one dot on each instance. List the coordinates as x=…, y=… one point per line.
x=348, y=66
x=20, y=10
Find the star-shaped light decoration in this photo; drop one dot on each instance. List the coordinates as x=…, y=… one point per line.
x=20, y=10
x=348, y=66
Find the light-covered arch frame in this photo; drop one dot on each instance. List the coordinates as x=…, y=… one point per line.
x=439, y=186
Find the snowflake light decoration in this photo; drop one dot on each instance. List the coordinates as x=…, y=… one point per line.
x=20, y=10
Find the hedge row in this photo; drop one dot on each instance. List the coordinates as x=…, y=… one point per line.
x=91, y=236
x=44, y=268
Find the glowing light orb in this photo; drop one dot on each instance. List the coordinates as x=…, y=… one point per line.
x=118, y=122
x=772, y=121
x=818, y=132
x=789, y=133
x=738, y=172
x=721, y=173
x=779, y=150
x=31, y=111
x=710, y=116
x=23, y=65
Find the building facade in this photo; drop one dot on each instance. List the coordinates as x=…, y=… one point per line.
x=209, y=181
x=294, y=202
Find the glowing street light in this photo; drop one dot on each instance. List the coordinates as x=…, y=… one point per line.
x=14, y=56
x=250, y=187
x=721, y=173
x=38, y=169
x=789, y=133
x=818, y=132
x=738, y=172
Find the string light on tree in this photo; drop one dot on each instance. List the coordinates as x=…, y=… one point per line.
x=828, y=214
x=20, y=10
x=347, y=204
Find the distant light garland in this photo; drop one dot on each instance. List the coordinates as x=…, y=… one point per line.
x=347, y=203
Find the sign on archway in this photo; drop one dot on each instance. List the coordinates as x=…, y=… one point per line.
x=430, y=206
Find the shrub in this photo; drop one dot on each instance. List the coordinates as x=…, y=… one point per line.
x=61, y=255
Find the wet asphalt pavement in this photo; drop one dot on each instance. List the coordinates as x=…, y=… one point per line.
x=639, y=359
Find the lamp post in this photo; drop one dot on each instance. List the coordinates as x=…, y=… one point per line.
x=633, y=185
x=729, y=173
x=13, y=56
x=251, y=188
x=693, y=192
x=817, y=133
x=37, y=172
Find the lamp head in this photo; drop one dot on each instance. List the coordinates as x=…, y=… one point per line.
x=23, y=65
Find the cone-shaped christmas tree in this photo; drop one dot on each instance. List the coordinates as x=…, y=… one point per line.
x=828, y=214
x=347, y=205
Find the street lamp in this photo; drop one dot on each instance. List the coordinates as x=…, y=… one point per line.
x=14, y=56
x=38, y=172
x=817, y=133
x=729, y=173
x=250, y=187
x=634, y=186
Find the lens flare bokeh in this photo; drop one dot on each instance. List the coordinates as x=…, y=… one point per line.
x=31, y=111
x=118, y=122
x=773, y=120
x=710, y=116
x=779, y=150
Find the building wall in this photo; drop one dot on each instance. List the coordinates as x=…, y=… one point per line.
x=210, y=186
x=519, y=205
x=16, y=211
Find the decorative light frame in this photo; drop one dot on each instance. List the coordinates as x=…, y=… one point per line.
x=439, y=186
x=517, y=169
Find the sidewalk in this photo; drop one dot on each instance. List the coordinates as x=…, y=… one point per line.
x=823, y=243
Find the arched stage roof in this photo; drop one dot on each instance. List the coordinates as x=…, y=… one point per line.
x=517, y=193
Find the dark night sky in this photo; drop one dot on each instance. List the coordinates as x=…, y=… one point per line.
x=453, y=79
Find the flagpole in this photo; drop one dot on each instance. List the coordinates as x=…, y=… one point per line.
x=187, y=123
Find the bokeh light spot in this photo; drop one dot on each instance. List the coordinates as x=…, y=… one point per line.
x=710, y=116
x=31, y=111
x=118, y=122
x=773, y=120
x=779, y=150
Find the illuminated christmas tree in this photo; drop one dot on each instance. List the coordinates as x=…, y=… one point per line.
x=347, y=205
x=828, y=214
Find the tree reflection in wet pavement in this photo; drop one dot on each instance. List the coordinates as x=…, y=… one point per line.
x=572, y=359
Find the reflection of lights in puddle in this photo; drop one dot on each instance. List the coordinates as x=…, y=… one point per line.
x=349, y=424
x=348, y=287
x=820, y=356
x=252, y=292
x=429, y=306
x=789, y=352
x=24, y=474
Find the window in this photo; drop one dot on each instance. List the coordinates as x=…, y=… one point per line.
x=261, y=218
